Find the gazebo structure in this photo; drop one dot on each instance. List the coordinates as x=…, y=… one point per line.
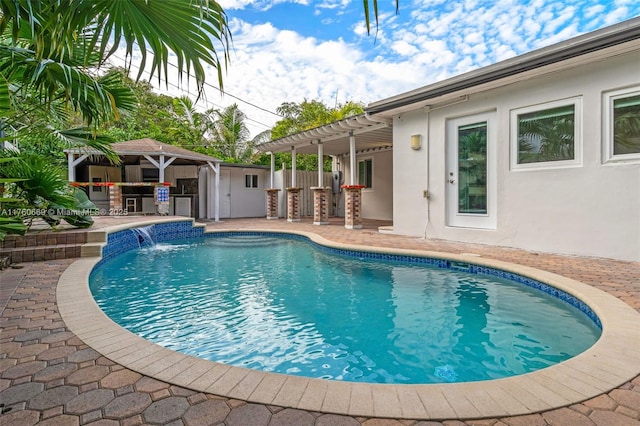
x=147, y=164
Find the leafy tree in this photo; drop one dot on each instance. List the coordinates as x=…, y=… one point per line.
x=305, y=116
x=50, y=51
x=56, y=99
x=310, y=114
x=152, y=118
x=219, y=133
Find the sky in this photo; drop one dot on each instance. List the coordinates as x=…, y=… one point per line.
x=296, y=50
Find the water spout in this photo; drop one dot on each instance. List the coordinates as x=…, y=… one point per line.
x=145, y=236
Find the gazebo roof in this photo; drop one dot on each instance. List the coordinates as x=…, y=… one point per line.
x=152, y=147
x=370, y=134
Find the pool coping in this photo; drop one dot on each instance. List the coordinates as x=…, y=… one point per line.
x=609, y=363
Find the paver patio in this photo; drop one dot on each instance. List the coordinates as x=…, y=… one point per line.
x=49, y=376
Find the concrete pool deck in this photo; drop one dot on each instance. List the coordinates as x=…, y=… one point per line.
x=55, y=367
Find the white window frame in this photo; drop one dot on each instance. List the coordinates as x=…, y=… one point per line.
x=254, y=178
x=362, y=160
x=607, y=126
x=577, y=136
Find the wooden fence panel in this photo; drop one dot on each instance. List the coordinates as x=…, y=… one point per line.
x=305, y=180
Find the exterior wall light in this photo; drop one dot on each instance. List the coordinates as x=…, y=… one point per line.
x=416, y=142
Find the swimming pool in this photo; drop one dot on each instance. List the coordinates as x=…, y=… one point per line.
x=278, y=303
x=606, y=365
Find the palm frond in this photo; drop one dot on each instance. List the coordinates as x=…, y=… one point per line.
x=11, y=225
x=5, y=96
x=88, y=141
x=162, y=28
x=186, y=29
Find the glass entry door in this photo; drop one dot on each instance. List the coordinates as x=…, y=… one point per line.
x=470, y=171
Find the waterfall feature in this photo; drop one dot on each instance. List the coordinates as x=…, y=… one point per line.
x=145, y=236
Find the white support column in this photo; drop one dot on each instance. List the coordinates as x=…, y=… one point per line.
x=216, y=201
x=71, y=169
x=293, y=167
x=161, y=164
x=161, y=169
x=152, y=161
x=72, y=163
x=320, y=164
x=273, y=170
x=352, y=159
x=272, y=192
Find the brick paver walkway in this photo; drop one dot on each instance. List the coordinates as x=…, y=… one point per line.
x=50, y=377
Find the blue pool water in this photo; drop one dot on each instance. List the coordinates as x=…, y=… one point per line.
x=282, y=305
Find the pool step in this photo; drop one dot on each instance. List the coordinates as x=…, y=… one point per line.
x=244, y=241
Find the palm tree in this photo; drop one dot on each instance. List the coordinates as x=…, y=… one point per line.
x=192, y=126
x=52, y=51
x=38, y=188
x=230, y=134
x=161, y=27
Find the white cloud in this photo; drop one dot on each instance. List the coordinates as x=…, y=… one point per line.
x=235, y=4
x=592, y=11
x=619, y=13
x=271, y=66
x=428, y=41
x=403, y=48
x=531, y=28
x=332, y=4
x=263, y=5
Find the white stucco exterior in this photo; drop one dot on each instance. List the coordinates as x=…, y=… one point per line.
x=377, y=201
x=588, y=208
x=236, y=198
x=247, y=202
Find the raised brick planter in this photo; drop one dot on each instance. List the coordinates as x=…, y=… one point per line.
x=272, y=203
x=320, y=205
x=115, y=198
x=293, y=204
x=353, y=206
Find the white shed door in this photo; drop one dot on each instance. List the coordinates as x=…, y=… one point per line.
x=225, y=194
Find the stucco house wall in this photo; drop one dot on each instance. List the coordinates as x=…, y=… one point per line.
x=591, y=208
